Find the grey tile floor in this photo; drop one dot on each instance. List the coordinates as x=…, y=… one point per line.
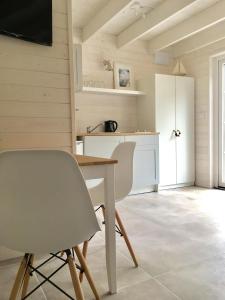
x=179, y=239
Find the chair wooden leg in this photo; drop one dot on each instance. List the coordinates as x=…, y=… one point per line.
x=19, y=277
x=27, y=278
x=84, y=252
x=73, y=272
x=125, y=236
x=83, y=263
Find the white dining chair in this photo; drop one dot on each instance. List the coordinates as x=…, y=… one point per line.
x=124, y=154
x=45, y=207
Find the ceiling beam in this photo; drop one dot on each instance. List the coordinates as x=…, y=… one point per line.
x=207, y=18
x=160, y=14
x=104, y=16
x=200, y=40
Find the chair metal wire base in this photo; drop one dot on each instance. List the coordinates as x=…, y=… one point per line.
x=48, y=278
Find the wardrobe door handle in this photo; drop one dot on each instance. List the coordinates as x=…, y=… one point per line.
x=177, y=133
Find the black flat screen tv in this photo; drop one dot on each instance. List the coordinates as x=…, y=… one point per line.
x=29, y=20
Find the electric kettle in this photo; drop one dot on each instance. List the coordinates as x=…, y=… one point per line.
x=111, y=126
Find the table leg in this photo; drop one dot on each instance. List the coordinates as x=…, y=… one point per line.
x=110, y=228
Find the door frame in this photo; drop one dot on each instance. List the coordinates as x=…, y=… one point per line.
x=221, y=88
x=214, y=101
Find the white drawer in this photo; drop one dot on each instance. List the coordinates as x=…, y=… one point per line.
x=101, y=146
x=142, y=139
x=104, y=139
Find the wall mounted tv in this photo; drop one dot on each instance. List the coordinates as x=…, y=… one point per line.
x=29, y=20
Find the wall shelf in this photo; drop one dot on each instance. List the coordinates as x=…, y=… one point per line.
x=95, y=90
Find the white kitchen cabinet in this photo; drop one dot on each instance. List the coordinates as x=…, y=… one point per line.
x=145, y=172
x=169, y=108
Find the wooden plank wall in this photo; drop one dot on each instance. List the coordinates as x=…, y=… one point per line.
x=96, y=108
x=35, y=89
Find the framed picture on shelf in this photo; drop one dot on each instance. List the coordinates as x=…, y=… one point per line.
x=123, y=77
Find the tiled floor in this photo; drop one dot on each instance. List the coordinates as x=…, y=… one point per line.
x=179, y=238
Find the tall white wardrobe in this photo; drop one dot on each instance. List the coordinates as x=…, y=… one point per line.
x=168, y=108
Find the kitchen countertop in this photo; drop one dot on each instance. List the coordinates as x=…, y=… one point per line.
x=117, y=133
x=84, y=160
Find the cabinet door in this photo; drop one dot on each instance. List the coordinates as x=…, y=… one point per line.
x=165, y=124
x=145, y=168
x=185, y=123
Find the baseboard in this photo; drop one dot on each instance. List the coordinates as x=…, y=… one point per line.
x=175, y=186
x=150, y=189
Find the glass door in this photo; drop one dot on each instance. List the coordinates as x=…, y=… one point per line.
x=221, y=123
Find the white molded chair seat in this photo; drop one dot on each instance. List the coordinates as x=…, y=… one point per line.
x=44, y=205
x=124, y=154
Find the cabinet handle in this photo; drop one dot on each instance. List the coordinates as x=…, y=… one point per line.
x=177, y=133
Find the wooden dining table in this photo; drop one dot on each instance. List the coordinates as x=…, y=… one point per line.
x=103, y=168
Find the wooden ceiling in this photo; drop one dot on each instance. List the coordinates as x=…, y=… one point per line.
x=184, y=25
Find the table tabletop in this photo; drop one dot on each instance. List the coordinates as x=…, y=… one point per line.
x=84, y=160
